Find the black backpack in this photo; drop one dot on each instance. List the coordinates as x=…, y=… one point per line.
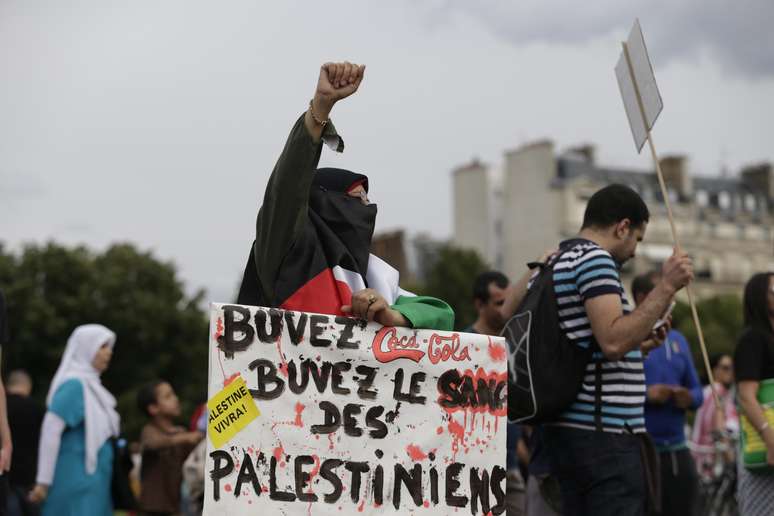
x=545, y=369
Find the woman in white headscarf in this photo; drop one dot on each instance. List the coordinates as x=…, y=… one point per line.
x=75, y=459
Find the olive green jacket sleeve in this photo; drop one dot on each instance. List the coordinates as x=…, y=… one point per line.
x=283, y=214
x=424, y=312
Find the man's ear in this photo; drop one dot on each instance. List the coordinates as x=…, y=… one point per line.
x=623, y=228
x=478, y=304
x=153, y=409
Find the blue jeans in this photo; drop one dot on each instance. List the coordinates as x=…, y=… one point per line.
x=599, y=473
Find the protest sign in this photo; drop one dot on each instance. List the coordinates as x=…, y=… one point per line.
x=637, y=83
x=349, y=417
x=643, y=104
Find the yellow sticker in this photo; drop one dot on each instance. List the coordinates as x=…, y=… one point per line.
x=231, y=410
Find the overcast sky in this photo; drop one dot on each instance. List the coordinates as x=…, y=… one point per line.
x=158, y=122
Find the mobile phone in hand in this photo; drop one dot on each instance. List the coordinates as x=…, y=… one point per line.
x=662, y=321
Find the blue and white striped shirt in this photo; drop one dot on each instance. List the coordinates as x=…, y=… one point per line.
x=585, y=271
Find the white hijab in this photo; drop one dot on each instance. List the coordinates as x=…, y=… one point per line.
x=101, y=419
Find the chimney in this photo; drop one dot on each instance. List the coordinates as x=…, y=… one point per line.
x=586, y=151
x=676, y=176
x=760, y=178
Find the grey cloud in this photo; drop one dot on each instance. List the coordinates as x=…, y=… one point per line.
x=736, y=35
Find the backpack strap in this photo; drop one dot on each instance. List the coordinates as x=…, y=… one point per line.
x=598, y=396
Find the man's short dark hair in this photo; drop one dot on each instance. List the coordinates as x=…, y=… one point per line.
x=146, y=396
x=644, y=283
x=482, y=282
x=612, y=204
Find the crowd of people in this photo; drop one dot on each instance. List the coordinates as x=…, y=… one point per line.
x=622, y=446
x=648, y=390
x=67, y=457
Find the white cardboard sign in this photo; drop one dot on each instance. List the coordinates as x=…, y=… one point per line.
x=353, y=417
x=642, y=81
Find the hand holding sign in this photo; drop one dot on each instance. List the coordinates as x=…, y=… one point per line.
x=643, y=104
x=369, y=305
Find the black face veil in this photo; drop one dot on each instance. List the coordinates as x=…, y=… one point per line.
x=341, y=219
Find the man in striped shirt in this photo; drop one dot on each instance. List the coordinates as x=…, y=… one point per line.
x=592, y=446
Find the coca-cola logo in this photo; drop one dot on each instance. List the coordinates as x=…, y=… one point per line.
x=387, y=346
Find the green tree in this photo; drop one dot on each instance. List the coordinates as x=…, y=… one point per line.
x=451, y=279
x=721, y=322
x=161, y=332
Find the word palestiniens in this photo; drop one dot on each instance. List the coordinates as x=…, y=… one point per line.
x=485, y=487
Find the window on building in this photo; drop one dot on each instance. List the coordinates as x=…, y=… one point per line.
x=702, y=199
x=724, y=200
x=749, y=202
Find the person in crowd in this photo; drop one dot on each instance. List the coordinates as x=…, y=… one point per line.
x=593, y=449
x=489, y=290
x=672, y=389
x=711, y=424
x=6, y=446
x=754, y=363
x=75, y=455
x=25, y=417
x=165, y=447
x=314, y=230
x=193, y=471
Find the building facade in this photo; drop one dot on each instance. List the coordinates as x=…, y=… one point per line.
x=726, y=224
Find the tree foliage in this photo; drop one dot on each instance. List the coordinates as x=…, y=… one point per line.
x=721, y=322
x=451, y=279
x=161, y=332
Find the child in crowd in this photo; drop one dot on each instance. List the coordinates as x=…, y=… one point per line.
x=165, y=447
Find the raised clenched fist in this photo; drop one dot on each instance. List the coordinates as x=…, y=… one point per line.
x=337, y=81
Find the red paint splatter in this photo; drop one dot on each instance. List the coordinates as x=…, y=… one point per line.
x=299, y=408
x=230, y=379
x=360, y=507
x=279, y=451
x=264, y=489
x=415, y=452
x=457, y=431
x=218, y=330
x=426, y=504
x=497, y=352
x=227, y=488
x=283, y=368
x=316, y=468
x=330, y=441
x=439, y=430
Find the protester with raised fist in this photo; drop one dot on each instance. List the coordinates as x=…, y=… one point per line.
x=313, y=232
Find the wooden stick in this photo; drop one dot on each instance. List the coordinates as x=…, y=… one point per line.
x=668, y=204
